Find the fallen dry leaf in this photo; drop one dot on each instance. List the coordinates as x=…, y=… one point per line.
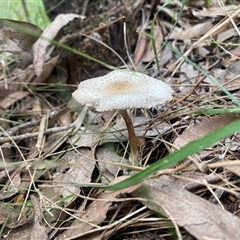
x=224, y=35
x=193, y=180
x=8, y=153
x=107, y=27
x=46, y=71
x=95, y=213
x=109, y=168
x=232, y=143
x=149, y=54
x=203, y=128
x=16, y=31
x=198, y=216
x=38, y=231
x=11, y=188
x=140, y=48
x=214, y=11
x=194, y=31
x=188, y=76
x=117, y=132
x=75, y=167
x=18, y=37
x=229, y=77
x=13, y=98
x=12, y=214
x=40, y=47
x=234, y=169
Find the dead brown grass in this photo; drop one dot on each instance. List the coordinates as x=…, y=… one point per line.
x=54, y=152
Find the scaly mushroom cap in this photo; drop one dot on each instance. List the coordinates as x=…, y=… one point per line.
x=122, y=89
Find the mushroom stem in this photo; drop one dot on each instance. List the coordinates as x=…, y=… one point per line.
x=131, y=133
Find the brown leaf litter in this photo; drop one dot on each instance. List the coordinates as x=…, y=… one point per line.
x=53, y=152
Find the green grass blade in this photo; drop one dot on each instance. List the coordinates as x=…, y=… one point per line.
x=217, y=111
x=152, y=31
x=179, y=155
x=184, y=3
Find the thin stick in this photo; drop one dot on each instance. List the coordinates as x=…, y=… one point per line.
x=35, y=134
x=41, y=136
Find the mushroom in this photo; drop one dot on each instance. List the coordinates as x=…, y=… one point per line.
x=121, y=90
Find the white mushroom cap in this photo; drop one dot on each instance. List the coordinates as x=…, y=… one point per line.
x=122, y=89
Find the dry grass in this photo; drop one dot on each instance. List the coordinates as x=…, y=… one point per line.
x=50, y=169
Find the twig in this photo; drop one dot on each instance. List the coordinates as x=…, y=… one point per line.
x=42, y=129
x=35, y=134
x=57, y=143
x=16, y=129
x=189, y=94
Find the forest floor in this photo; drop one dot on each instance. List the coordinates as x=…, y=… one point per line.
x=56, y=154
